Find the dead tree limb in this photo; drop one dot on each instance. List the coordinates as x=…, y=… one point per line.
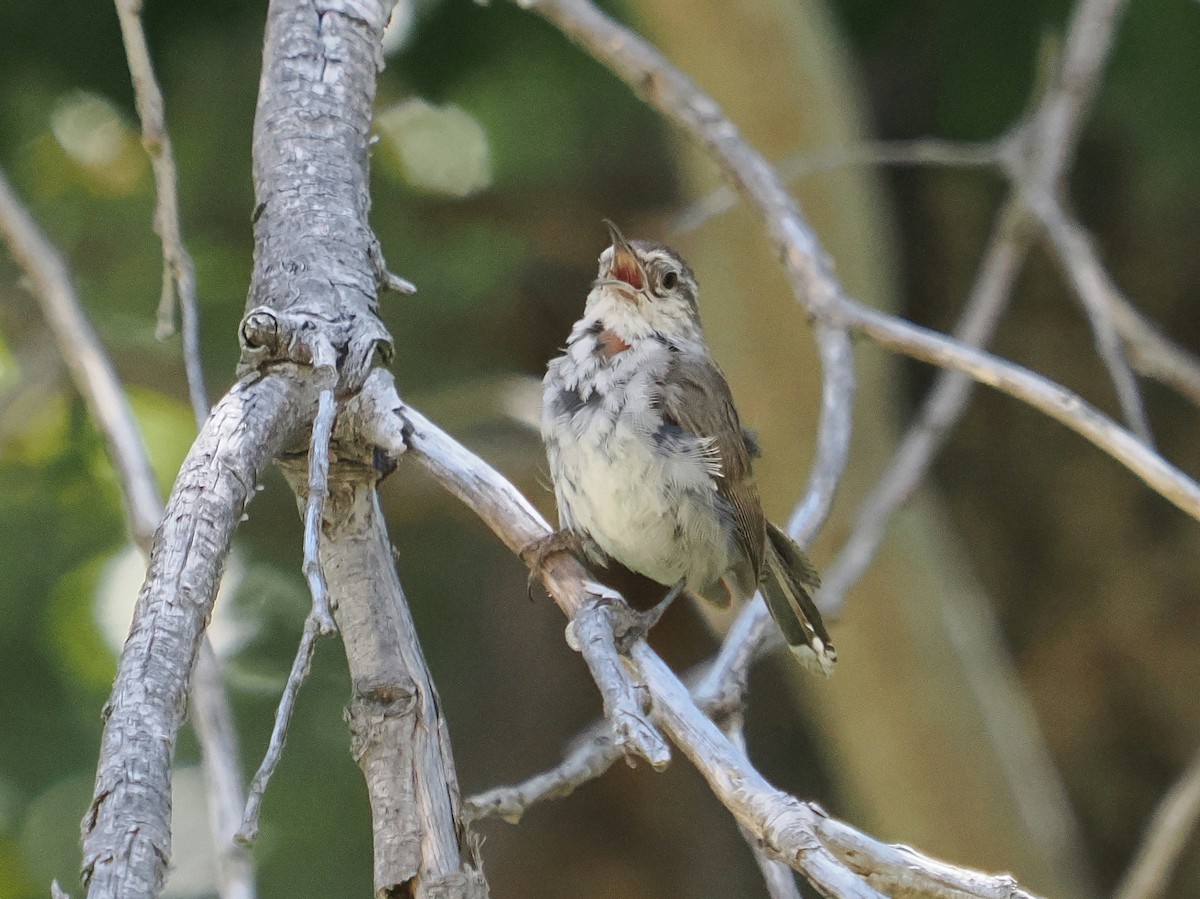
x=311, y=324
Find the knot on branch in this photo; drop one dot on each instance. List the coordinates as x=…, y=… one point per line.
x=375, y=704
x=340, y=349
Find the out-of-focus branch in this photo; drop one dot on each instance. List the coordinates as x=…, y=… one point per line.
x=90, y=368
x=938, y=414
x=802, y=164
x=1149, y=350
x=222, y=769
x=1171, y=827
x=179, y=275
x=96, y=380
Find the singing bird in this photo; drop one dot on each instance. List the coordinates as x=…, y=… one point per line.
x=650, y=464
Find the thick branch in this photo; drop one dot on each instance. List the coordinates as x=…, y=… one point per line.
x=313, y=300
x=215, y=485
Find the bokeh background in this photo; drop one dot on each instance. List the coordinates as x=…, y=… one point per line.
x=501, y=148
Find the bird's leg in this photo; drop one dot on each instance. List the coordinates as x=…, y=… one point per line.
x=536, y=553
x=638, y=624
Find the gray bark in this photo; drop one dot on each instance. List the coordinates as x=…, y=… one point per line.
x=311, y=325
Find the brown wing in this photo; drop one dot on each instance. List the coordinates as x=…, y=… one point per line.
x=696, y=398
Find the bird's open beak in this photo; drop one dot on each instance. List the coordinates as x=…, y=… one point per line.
x=625, y=264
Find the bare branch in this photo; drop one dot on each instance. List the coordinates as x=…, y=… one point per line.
x=213, y=719
x=1152, y=353
x=179, y=275
x=1072, y=245
x=241, y=436
x=833, y=433
x=594, y=752
x=592, y=634
x=786, y=828
x=1171, y=827
x=90, y=368
x=248, y=831
x=1064, y=406
x=902, y=871
x=318, y=490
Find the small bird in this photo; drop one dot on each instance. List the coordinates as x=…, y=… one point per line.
x=650, y=464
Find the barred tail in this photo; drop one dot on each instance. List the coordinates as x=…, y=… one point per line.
x=787, y=578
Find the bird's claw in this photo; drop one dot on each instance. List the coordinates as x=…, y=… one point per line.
x=535, y=553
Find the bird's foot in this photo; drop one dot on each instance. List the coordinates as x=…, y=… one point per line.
x=536, y=553
x=634, y=625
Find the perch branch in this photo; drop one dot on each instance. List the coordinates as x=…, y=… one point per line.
x=179, y=274
x=788, y=829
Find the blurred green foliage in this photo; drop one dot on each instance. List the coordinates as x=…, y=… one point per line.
x=566, y=144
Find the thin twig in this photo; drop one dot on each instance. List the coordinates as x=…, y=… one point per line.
x=593, y=753
x=301, y=665
x=179, y=276
x=318, y=491
x=1150, y=352
x=1069, y=239
x=1171, y=827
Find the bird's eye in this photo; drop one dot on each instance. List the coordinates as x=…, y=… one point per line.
x=670, y=280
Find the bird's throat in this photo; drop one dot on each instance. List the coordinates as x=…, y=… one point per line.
x=609, y=343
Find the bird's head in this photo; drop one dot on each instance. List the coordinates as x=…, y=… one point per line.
x=646, y=286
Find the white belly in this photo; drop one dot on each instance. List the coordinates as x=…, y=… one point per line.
x=651, y=512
